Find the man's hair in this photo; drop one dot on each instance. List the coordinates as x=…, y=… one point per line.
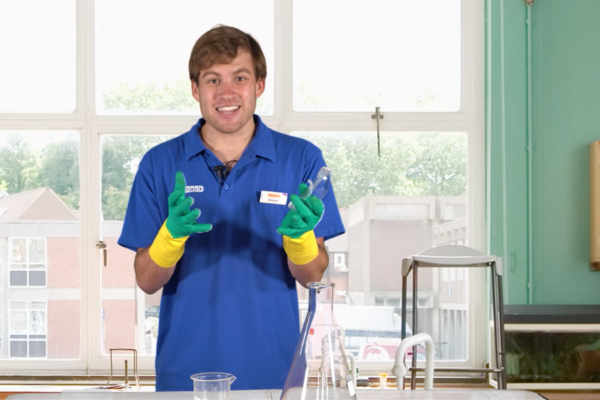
x=221, y=45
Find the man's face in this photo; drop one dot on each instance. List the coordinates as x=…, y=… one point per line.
x=227, y=94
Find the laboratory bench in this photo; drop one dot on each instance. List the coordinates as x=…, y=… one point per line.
x=362, y=394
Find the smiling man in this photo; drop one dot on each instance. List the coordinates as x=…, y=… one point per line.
x=228, y=265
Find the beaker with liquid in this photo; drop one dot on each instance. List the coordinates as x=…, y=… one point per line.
x=320, y=368
x=212, y=385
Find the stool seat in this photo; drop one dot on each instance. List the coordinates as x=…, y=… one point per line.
x=457, y=256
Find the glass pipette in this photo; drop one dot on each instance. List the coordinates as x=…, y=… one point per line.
x=323, y=175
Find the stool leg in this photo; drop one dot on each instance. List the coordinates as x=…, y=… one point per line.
x=413, y=372
x=403, y=326
x=498, y=342
x=501, y=375
x=400, y=379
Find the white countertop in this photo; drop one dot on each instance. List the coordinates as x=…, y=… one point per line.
x=362, y=394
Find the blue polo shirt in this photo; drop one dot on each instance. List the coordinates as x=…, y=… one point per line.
x=231, y=304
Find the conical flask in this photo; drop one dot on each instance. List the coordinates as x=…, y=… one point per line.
x=319, y=370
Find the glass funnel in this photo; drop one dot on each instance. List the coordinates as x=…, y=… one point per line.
x=320, y=369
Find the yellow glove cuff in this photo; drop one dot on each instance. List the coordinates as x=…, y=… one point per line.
x=166, y=250
x=302, y=250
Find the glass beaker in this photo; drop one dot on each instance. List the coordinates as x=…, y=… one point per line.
x=320, y=369
x=212, y=385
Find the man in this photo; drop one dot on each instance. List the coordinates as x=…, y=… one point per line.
x=229, y=267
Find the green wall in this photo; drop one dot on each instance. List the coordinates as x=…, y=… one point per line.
x=543, y=89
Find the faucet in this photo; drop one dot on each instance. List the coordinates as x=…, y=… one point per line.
x=400, y=368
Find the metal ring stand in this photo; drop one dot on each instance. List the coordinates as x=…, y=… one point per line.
x=135, y=371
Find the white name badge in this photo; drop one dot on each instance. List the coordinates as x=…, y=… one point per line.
x=273, y=197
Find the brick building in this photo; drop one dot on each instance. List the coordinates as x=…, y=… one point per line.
x=40, y=303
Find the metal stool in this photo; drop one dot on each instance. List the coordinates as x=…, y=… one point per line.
x=457, y=256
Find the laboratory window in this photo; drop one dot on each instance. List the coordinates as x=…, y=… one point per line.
x=119, y=87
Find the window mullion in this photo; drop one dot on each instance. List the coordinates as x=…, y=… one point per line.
x=284, y=79
x=89, y=175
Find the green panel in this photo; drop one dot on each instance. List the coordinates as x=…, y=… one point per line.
x=506, y=142
x=566, y=119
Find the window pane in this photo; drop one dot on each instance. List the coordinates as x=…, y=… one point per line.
x=408, y=200
x=38, y=322
x=143, y=70
x=37, y=251
x=39, y=72
x=19, y=250
x=18, y=322
x=37, y=305
x=18, y=278
x=18, y=305
x=37, y=278
x=37, y=349
x=128, y=315
x=39, y=171
x=18, y=348
x=355, y=67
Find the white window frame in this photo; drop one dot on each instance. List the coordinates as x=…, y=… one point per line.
x=469, y=119
x=27, y=269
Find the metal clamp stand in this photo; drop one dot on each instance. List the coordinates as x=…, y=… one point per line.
x=135, y=371
x=457, y=256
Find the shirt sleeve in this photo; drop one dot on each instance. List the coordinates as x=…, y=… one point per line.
x=146, y=210
x=331, y=224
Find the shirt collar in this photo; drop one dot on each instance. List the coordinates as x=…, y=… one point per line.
x=261, y=144
x=193, y=142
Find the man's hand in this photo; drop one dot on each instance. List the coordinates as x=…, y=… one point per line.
x=182, y=221
x=169, y=243
x=307, y=215
x=299, y=240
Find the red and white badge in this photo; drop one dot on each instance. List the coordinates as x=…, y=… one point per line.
x=273, y=197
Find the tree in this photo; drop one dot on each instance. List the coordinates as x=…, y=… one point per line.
x=161, y=96
x=441, y=166
x=57, y=166
x=59, y=170
x=18, y=164
x=411, y=164
x=120, y=158
x=154, y=96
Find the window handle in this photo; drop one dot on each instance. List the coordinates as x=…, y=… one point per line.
x=378, y=116
x=104, y=247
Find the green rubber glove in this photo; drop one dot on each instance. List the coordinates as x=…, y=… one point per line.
x=182, y=221
x=307, y=215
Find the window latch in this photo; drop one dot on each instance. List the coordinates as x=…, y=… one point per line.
x=104, y=247
x=378, y=115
